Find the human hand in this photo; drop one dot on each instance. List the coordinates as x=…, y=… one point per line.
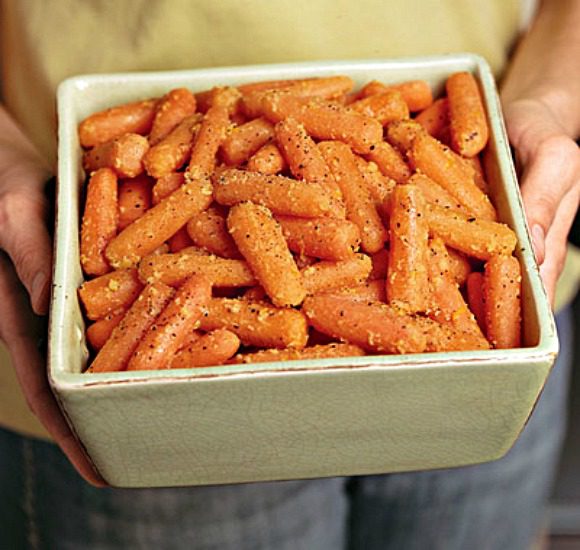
x=25, y=268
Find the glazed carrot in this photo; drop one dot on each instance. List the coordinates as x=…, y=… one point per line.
x=209, y=230
x=325, y=121
x=209, y=137
x=158, y=224
x=326, y=238
x=447, y=305
x=280, y=194
x=173, y=269
x=134, y=199
x=228, y=97
x=435, y=194
x=442, y=165
x=260, y=240
x=389, y=161
x=371, y=291
x=304, y=158
x=479, y=174
x=314, y=352
x=172, y=108
x=386, y=107
x=502, y=290
x=416, y=93
x=380, y=186
x=360, y=207
x=256, y=294
x=326, y=276
x=179, y=240
x=170, y=329
x=475, y=299
x=125, y=338
x=100, y=221
x=401, y=133
x=172, y=152
x=100, y=331
x=135, y=118
x=373, y=326
x=267, y=160
x=109, y=292
x=474, y=237
x=380, y=264
x=407, y=278
x=468, y=123
x=257, y=324
x=435, y=117
x=124, y=155
x=165, y=185
x=213, y=348
x=449, y=338
x=243, y=141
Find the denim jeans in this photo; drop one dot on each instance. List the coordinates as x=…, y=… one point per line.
x=496, y=506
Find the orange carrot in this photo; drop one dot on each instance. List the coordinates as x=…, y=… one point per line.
x=442, y=165
x=407, y=279
x=173, y=269
x=389, y=161
x=134, y=199
x=459, y=266
x=435, y=117
x=380, y=263
x=401, y=133
x=468, y=123
x=260, y=240
x=228, y=97
x=326, y=276
x=169, y=330
x=281, y=195
x=165, y=185
x=326, y=238
x=360, y=208
x=502, y=290
x=475, y=297
x=257, y=324
x=267, y=160
x=100, y=331
x=371, y=291
x=435, y=194
x=416, y=93
x=109, y=292
x=127, y=335
x=380, y=186
x=180, y=240
x=374, y=327
x=135, y=118
x=172, y=108
x=386, y=107
x=209, y=230
x=479, y=174
x=100, y=221
x=245, y=140
x=213, y=348
x=256, y=294
x=124, y=155
x=315, y=352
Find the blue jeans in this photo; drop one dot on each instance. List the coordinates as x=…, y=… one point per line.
x=499, y=505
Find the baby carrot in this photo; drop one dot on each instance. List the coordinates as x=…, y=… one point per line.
x=172, y=108
x=256, y=323
x=360, y=207
x=478, y=173
x=442, y=165
x=475, y=297
x=474, y=237
x=468, y=123
x=321, y=351
x=125, y=338
x=135, y=118
x=380, y=187
x=171, y=153
x=170, y=328
x=165, y=185
x=260, y=240
x=100, y=221
x=179, y=240
x=435, y=117
x=459, y=265
x=209, y=230
x=134, y=199
x=435, y=194
x=173, y=269
x=374, y=327
x=267, y=160
x=407, y=278
x=280, y=194
x=502, y=290
x=401, y=133
x=326, y=276
x=109, y=292
x=380, y=264
x=326, y=238
x=389, y=161
x=243, y=141
x=100, y=331
x=213, y=348
x=386, y=107
x=416, y=93
x=371, y=291
x=158, y=224
x=124, y=155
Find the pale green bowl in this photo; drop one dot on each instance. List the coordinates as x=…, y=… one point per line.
x=301, y=419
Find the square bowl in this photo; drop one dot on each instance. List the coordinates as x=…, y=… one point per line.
x=299, y=419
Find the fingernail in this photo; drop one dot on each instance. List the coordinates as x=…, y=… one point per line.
x=538, y=242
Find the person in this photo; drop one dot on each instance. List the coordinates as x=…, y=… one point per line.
x=45, y=503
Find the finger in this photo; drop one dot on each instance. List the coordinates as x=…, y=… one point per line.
x=17, y=330
x=24, y=236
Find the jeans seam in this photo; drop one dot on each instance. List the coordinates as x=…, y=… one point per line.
x=29, y=500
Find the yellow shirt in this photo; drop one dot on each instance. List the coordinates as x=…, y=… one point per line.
x=45, y=41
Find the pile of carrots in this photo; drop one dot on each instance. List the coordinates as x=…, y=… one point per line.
x=295, y=219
